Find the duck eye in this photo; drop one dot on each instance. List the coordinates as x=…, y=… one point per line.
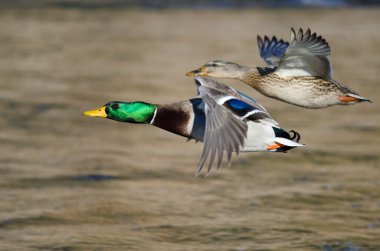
x=115, y=106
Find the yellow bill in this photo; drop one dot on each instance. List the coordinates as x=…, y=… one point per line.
x=198, y=72
x=101, y=112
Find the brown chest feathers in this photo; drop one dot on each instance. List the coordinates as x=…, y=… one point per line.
x=176, y=118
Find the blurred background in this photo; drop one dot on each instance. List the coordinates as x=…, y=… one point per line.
x=69, y=182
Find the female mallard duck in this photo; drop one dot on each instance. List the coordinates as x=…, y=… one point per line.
x=299, y=73
x=224, y=119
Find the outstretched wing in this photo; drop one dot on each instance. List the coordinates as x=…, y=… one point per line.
x=224, y=131
x=229, y=91
x=272, y=50
x=227, y=112
x=307, y=55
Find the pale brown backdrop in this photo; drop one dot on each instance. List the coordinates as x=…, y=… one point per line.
x=69, y=182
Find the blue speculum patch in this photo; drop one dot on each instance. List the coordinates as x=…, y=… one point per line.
x=241, y=108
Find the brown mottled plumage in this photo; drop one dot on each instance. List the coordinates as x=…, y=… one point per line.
x=303, y=90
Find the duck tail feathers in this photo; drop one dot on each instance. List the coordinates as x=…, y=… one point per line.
x=360, y=98
x=288, y=142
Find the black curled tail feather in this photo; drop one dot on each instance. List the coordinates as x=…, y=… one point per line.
x=292, y=135
x=295, y=137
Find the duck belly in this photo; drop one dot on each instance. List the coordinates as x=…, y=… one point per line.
x=309, y=93
x=259, y=136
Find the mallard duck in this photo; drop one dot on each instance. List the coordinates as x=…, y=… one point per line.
x=299, y=73
x=224, y=119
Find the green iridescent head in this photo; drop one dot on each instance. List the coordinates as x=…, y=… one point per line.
x=131, y=112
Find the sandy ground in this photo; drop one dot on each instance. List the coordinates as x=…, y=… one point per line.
x=70, y=182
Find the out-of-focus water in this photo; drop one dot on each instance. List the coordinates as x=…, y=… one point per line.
x=70, y=182
x=213, y=4
x=198, y=4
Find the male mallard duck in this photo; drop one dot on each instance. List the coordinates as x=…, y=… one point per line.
x=299, y=73
x=225, y=120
